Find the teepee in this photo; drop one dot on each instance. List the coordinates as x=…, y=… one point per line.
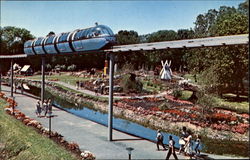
x=166, y=72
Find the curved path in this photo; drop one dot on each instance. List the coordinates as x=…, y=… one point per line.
x=100, y=95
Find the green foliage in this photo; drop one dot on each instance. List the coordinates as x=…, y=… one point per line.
x=164, y=106
x=177, y=93
x=11, y=42
x=21, y=142
x=230, y=23
x=185, y=34
x=244, y=8
x=162, y=35
x=206, y=100
x=222, y=69
x=127, y=37
x=130, y=84
x=185, y=95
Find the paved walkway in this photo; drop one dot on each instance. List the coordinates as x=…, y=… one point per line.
x=92, y=136
x=82, y=90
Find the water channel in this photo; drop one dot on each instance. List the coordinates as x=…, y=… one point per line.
x=209, y=145
x=102, y=118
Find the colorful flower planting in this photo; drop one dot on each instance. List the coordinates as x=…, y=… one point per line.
x=185, y=111
x=72, y=146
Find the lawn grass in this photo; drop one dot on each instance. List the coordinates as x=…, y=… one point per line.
x=21, y=142
x=63, y=78
x=96, y=98
x=239, y=107
x=151, y=87
x=186, y=95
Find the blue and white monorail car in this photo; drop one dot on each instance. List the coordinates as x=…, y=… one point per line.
x=38, y=46
x=28, y=47
x=89, y=39
x=49, y=45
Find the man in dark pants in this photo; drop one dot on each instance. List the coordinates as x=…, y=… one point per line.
x=159, y=139
x=171, y=148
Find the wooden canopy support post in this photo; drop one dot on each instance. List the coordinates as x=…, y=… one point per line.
x=110, y=113
x=43, y=80
x=11, y=77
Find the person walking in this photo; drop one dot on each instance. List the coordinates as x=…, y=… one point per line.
x=197, y=147
x=45, y=107
x=182, y=141
x=171, y=149
x=159, y=138
x=49, y=107
x=38, y=108
x=188, y=145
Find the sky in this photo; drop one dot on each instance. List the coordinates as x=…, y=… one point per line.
x=41, y=17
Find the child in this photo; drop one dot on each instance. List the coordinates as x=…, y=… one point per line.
x=197, y=145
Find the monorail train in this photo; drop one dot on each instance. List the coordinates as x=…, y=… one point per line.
x=89, y=39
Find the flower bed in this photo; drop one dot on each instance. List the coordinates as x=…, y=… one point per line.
x=58, y=138
x=184, y=111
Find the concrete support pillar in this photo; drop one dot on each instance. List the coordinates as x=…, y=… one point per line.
x=110, y=113
x=43, y=79
x=11, y=77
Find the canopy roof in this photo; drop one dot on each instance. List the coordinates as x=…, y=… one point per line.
x=25, y=68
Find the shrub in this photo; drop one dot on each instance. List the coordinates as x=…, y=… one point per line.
x=130, y=84
x=177, y=93
x=163, y=106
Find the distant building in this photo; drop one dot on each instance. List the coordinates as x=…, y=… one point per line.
x=27, y=70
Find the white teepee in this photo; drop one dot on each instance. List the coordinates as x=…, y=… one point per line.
x=166, y=72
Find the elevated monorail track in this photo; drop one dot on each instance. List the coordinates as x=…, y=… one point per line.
x=188, y=43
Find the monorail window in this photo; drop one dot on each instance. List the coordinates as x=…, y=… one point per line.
x=38, y=42
x=89, y=33
x=110, y=31
x=50, y=40
x=77, y=35
x=84, y=34
x=28, y=44
x=63, y=37
x=101, y=31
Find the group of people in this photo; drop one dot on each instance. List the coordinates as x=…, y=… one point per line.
x=45, y=107
x=185, y=141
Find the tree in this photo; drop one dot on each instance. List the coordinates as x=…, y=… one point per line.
x=127, y=37
x=230, y=22
x=13, y=38
x=11, y=42
x=162, y=35
x=244, y=8
x=204, y=22
x=222, y=69
x=185, y=34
